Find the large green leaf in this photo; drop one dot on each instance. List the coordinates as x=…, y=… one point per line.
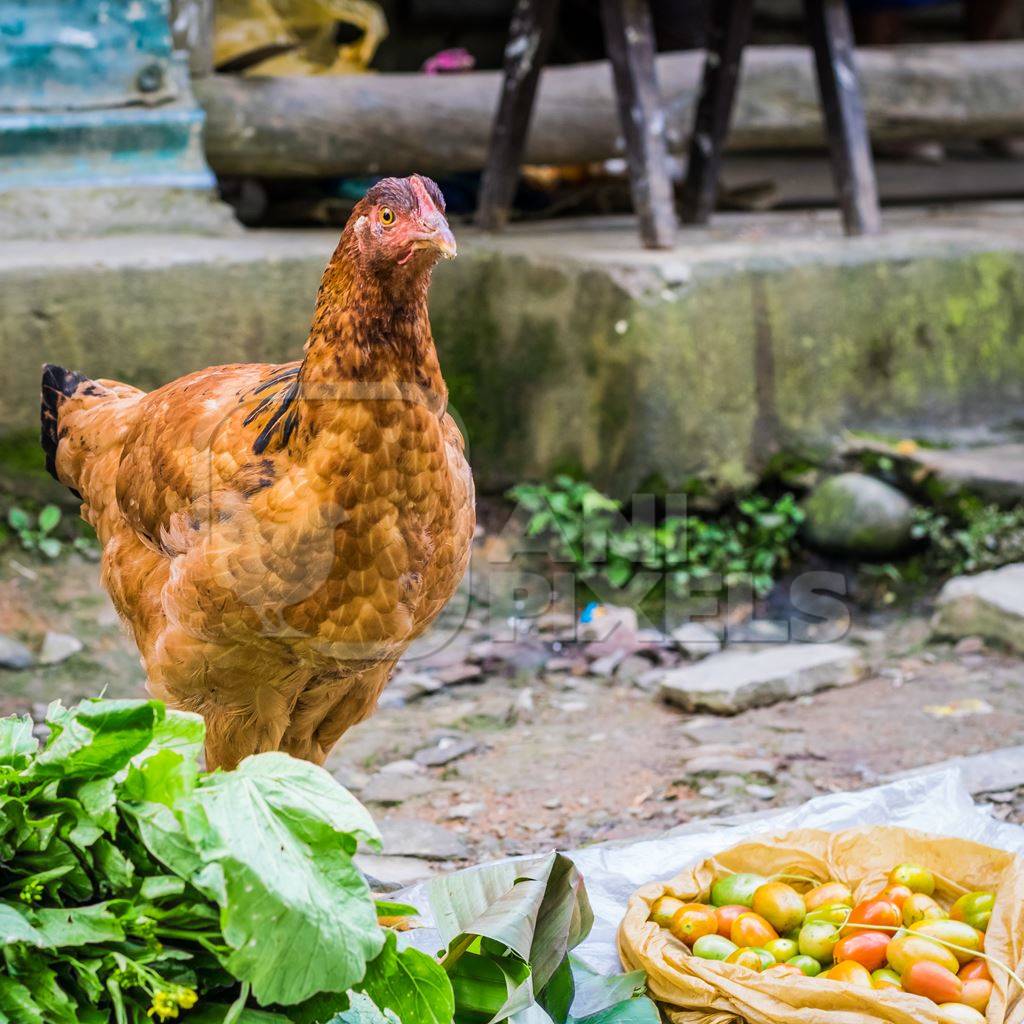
x=410, y=983
x=595, y=992
x=277, y=837
x=529, y=913
x=537, y=908
x=96, y=738
x=17, y=744
x=363, y=1010
x=78, y=926
x=180, y=731
x=17, y=1004
x=15, y=927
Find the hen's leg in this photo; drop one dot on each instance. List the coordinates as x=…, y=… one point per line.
x=328, y=707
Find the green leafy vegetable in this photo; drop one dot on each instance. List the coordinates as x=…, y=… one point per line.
x=135, y=886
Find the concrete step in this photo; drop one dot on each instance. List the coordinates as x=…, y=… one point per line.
x=566, y=345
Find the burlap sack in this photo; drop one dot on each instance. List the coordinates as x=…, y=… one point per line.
x=697, y=991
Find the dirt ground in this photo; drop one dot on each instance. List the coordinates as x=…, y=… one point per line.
x=518, y=753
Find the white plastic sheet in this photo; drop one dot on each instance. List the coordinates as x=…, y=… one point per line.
x=937, y=802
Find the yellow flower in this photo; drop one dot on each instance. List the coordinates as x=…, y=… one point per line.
x=164, y=1006
x=906, y=447
x=187, y=998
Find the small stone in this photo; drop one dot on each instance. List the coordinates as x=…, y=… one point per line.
x=632, y=667
x=648, y=681
x=758, y=631
x=990, y=605
x=1006, y=797
x=524, y=705
x=404, y=766
x=856, y=514
x=446, y=751
x=614, y=627
x=733, y=681
x=408, y=686
x=395, y=789
x=720, y=764
x=761, y=792
x=58, y=647
x=570, y=706
x=605, y=666
x=350, y=777
x=464, y=672
x=465, y=811
x=14, y=655
x=393, y=872
x=969, y=645
x=409, y=837
x=696, y=639
x=553, y=803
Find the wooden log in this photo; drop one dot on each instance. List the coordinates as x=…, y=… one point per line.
x=399, y=123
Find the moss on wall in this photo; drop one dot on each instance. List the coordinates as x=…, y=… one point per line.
x=558, y=364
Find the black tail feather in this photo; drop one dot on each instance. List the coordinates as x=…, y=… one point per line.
x=58, y=384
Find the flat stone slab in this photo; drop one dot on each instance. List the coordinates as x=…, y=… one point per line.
x=996, y=472
x=14, y=655
x=982, y=773
x=409, y=837
x=990, y=604
x=390, y=788
x=387, y=873
x=736, y=680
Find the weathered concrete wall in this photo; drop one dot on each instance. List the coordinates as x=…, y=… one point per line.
x=572, y=349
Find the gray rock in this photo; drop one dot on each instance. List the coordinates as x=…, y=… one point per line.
x=696, y=639
x=990, y=772
x=606, y=665
x=58, y=647
x=464, y=811
x=632, y=667
x=721, y=764
x=395, y=789
x=392, y=872
x=447, y=750
x=408, y=686
x=761, y=792
x=350, y=777
x=463, y=672
x=14, y=655
x=990, y=605
x=858, y=515
x=403, y=766
x=733, y=681
x=994, y=472
x=408, y=837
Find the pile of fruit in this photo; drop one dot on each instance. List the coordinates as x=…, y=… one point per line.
x=900, y=938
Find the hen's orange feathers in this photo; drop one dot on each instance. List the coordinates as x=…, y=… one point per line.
x=276, y=536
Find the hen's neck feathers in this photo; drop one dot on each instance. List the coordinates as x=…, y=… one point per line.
x=372, y=327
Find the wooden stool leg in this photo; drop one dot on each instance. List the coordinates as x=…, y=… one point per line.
x=533, y=26
x=629, y=39
x=727, y=35
x=848, y=142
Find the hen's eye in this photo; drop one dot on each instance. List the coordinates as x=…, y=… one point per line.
x=387, y=216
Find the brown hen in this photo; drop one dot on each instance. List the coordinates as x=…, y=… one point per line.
x=276, y=536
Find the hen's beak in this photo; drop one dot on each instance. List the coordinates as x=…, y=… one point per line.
x=444, y=242
x=438, y=236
